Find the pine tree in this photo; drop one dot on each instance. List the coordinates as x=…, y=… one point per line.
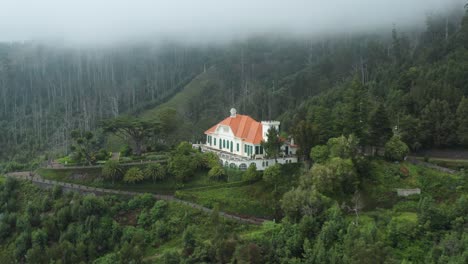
x=356, y=110
x=380, y=130
x=306, y=136
x=462, y=118
x=273, y=143
x=438, y=123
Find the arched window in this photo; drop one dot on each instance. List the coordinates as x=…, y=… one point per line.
x=233, y=165
x=226, y=164
x=243, y=166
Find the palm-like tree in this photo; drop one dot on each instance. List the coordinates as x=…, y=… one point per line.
x=112, y=170
x=155, y=171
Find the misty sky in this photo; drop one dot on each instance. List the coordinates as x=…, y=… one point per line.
x=101, y=21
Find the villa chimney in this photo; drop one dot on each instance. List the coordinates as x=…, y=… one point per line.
x=233, y=112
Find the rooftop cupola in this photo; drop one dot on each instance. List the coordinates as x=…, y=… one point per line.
x=233, y=112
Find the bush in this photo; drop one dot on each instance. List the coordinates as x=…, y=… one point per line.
x=141, y=201
x=319, y=154
x=217, y=173
x=112, y=170
x=251, y=174
x=155, y=171
x=133, y=175
x=126, y=151
x=126, y=159
x=102, y=155
x=155, y=157
x=395, y=149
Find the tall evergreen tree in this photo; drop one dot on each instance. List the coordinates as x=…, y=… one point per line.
x=380, y=130
x=273, y=143
x=356, y=110
x=306, y=137
x=462, y=119
x=438, y=123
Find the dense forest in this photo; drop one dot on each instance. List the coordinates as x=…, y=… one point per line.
x=49, y=91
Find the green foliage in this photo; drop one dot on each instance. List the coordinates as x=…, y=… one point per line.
x=272, y=144
x=319, y=154
x=356, y=113
x=85, y=147
x=137, y=130
x=335, y=177
x=210, y=160
x=133, y=175
x=189, y=240
x=217, y=173
x=301, y=202
x=251, y=174
x=112, y=170
x=306, y=136
x=462, y=119
x=184, y=161
x=438, y=123
x=126, y=151
x=272, y=175
x=395, y=149
x=380, y=130
x=343, y=147
x=155, y=171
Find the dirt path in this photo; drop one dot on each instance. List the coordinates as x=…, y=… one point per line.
x=458, y=154
x=36, y=179
x=61, y=167
x=414, y=160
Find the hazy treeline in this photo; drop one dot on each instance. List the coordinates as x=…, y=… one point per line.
x=46, y=92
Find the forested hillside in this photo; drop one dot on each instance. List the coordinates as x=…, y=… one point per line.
x=47, y=91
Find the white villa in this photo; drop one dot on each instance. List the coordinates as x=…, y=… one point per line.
x=237, y=141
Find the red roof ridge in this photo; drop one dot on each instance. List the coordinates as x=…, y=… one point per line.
x=243, y=126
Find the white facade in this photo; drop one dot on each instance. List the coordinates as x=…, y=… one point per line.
x=224, y=140
x=238, y=152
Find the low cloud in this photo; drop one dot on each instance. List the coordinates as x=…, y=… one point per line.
x=111, y=21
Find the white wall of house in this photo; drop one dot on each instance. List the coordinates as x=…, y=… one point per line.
x=225, y=134
x=261, y=164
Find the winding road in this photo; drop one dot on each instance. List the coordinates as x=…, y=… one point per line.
x=41, y=182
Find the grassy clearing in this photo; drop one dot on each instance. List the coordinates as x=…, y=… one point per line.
x=254, y=199
x=182, y=99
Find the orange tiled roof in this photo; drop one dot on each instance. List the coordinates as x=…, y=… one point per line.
x=243, y=127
